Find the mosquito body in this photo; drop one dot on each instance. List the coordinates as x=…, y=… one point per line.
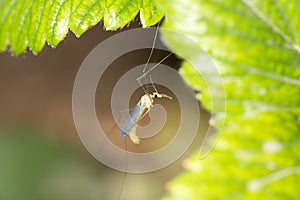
x=140, y=110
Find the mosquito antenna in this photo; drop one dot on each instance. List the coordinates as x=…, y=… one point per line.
x=125, y=173
x=153, y=84
x=152, y=68
x=141, y=84
x=152, y=49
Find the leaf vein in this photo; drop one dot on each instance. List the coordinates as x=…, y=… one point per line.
x=270, y=24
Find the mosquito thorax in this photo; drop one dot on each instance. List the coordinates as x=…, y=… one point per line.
x=147, y=100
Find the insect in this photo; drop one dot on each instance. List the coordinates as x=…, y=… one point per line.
x=139, y=111
x=143, y=107
x=145, y=103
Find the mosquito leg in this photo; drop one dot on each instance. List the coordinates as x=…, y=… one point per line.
x=141, y=84
x=153, y=84
x=152, y=48
x=152, y=68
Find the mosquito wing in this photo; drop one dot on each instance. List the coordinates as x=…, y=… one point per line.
x=132, y=131
x=130, y=125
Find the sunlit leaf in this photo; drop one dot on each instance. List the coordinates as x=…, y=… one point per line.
x=255, y=45
x=33, y=23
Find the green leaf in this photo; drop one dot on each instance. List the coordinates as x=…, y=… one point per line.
x=37, y=33
x=58, y=21
x=5, y=20
x=32, y=23
x=255, y=45
x=149, y=13
x=120, y=12
x=85, y=14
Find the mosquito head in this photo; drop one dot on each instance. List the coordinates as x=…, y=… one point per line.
x=155, y=95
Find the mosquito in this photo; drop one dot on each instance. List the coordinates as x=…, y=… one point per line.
x=145, y=103
x=139, y=111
